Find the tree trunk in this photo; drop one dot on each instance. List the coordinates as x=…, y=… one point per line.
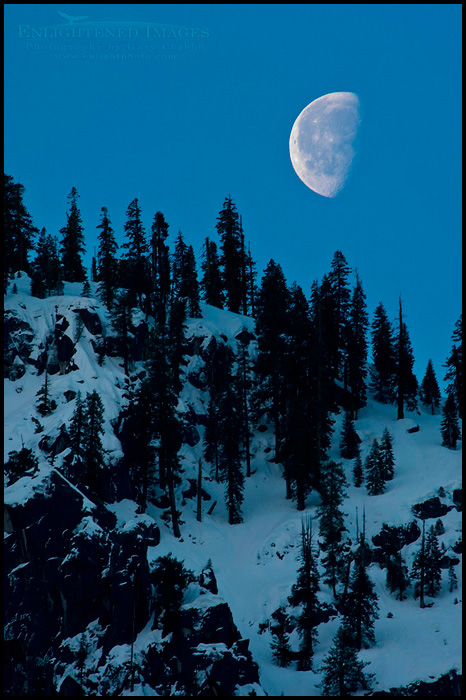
x=171, y=493
x=199, y=494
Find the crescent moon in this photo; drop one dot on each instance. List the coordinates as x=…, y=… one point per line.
x=321, y=142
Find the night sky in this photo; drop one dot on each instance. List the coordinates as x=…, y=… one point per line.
x=182, y=105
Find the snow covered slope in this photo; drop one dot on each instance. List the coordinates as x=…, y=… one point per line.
x=255, y=563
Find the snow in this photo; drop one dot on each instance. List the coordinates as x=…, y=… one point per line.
x=255, y=563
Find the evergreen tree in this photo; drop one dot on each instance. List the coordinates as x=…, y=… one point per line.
x=251, y=288
x=171, y=579
x=349, y=444
x=374, y=468
x=166, y=424
x=211, y=281
x=18, y=230
x=160, y=267
x=120, y=315
x=86, y=292
x=387, y=456
x=45, y=404
x=358, y=474
x=229, y=427
x=191, y=285
x=21, y=463
x=94, y=273
x=340, y=293
x=91, y=441
x=135, y=277
x=46, y=272
x=139, y=452
x=304, y=593
x=418, y=571
x=406, y=382
x=383, y=354
x=454, y=365
x=357, y=347
x=76, y=433
x=450, y=429
x=176, y=341
x=271, y=330
x=232, y=255
x=298, y=451
x=343, y=671
x=452, y=579
x=439, y=527
x=433, y=557
x=429, y=391
x=244, y=378
x=397, y=575
x=280, y=628
x=361, y=607
x=332, y=492
x=106, y=256
x=72, y=244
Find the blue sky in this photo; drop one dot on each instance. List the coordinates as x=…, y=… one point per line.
x=181, y=123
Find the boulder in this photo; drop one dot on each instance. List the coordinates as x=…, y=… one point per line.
x=458, y=499
x=432, y=508
x=90, y=320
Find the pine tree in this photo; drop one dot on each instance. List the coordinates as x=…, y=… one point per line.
x=176, y=340
x=244, y=379
x=160, y=267
x=343, y=671
x=211, y=281
x=429, y=391
x=340, y=294
x=191, y=285
x=139, y=452
x=454, y=365
x=251, y=288
x=418, y=571
x=106, y=256
x=94, y=273
x=171, y=579
x=46, y=272
x=349, y=444
x=120, y=315
x=433, y=557
x=72, y=245
x=21, y=463
x=357, y=347
x=135, y=260
x=76, y=433
x=361, y=606
x=45, y=404
x=397, y=575
x=406, y=382
x=304, y=593
x=229, y=426
x=91, y=441
x=439, y=527
x=166, y=424
x=387, y=456
x=232, y=255
x=452, y=579
x=383, y=354
x=358, y=474
x=298, y=451
x=450, y=429
x=375, y=476
x=86, y=292
x=271, y=330
x=280, y=629
x=332, y=492
x=18, y=230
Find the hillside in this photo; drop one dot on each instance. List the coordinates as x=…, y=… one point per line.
x=54, y=531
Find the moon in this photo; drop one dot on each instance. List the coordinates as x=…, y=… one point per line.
x=321, y=142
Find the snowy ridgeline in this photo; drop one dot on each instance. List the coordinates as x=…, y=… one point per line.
x=254, y=564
